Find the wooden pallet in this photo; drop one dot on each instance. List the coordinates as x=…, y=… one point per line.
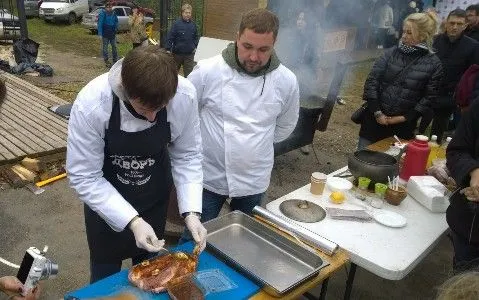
x=27, y=127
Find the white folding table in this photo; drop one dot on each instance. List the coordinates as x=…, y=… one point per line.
x=390, y=253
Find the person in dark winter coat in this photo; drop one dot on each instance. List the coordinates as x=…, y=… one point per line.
x=419, y=5
x=475, y=92
x=107, y=27
x=457, y=53
x=403, y=83
x=410, y=9
x=463, y=212
x=182, y=40
x=302, y=59
x=472, y=15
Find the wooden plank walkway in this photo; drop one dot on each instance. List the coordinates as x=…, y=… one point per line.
x=27, y=127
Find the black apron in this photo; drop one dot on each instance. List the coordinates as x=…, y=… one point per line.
x=138, y=166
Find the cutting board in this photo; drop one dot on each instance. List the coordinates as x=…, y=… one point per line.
x=118, y=283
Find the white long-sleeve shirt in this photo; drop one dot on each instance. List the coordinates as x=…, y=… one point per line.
x=241, y=117
x=85, y=148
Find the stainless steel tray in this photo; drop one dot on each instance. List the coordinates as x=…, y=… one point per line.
x=272, y=260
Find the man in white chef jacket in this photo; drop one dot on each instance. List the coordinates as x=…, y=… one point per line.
x=133, y=132
x=247, y=101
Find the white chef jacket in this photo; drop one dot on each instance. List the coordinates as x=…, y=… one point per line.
x=85, y=147
x=241, y=117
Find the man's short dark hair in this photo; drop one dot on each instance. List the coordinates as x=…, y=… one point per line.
x=474, y=7
x=260, y=20
x=460, y=13
x=149, y=73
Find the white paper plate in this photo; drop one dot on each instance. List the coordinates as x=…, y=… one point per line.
x=389, y=218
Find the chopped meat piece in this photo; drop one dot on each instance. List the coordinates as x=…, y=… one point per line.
x=155, y=274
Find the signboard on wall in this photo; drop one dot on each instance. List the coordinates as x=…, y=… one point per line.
x=335, y=41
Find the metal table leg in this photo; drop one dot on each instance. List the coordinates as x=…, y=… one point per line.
x=349, y=282
x=309, y=296
x=324, y=289
x=322, y=296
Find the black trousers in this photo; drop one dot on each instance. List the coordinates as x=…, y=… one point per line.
x=185, y=60
x=440, y=122
x=466, y=256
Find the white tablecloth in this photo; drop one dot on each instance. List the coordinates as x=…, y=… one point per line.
x=390, y=253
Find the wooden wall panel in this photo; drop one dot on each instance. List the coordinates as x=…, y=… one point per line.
x=222, y=17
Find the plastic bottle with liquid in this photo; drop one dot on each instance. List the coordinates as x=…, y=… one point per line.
x=441, y=152
x=417, y=153
x=434, y=148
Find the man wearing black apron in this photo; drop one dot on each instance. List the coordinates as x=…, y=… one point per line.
x=132, y=133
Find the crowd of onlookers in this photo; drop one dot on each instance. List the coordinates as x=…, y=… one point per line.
x=425, y=82
x=431, y=64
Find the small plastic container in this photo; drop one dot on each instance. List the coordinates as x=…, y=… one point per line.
x=363, y=183
x=214, y=281
x=376, y=201
x=318, y=182
x=198, y=285
x=380, y=189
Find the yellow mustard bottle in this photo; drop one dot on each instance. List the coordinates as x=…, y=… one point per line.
x=434, y=150
x=441, y=153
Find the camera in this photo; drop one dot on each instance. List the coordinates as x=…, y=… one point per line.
x=34, y=267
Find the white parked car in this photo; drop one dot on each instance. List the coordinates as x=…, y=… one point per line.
x=63, y=10
x=90, y=20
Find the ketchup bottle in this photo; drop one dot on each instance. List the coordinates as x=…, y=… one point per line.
x=416, y=158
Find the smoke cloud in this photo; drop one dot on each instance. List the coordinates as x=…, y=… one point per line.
x=312, y=33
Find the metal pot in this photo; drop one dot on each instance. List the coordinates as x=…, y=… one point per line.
x=377, y=166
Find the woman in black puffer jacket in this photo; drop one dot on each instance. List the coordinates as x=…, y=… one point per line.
x=403, y=83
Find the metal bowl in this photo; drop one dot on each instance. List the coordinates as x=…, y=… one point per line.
x=374, y=165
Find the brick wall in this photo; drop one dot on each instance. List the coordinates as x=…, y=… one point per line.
x=222, y=17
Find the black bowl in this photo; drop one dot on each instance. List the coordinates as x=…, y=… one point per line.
x=374, y=165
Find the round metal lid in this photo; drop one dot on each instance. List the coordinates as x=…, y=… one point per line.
x=302, y=210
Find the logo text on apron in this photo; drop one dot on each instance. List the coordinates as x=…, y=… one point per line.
x=132, y=169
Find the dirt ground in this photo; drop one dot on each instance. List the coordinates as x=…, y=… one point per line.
x=55, y=217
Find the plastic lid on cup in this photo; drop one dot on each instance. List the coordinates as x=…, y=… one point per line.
x=319, y=176
x=423, y=138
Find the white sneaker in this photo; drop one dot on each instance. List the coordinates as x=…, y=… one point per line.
x=380, y=46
